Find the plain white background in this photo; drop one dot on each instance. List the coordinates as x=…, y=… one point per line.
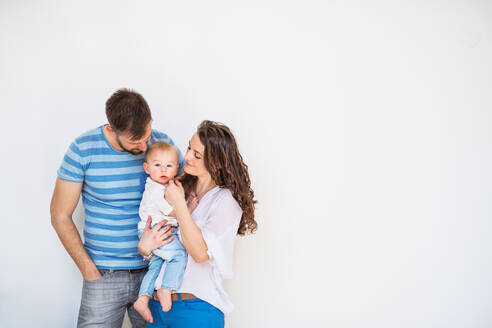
x=365, y=125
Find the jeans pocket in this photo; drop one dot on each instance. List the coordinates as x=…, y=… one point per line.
x=201, y=306
x=102, y=273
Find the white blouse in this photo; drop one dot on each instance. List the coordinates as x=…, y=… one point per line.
x=218, y=216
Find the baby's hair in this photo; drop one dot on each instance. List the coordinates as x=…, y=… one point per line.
x=160, y=145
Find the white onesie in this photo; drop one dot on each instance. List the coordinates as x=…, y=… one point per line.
x=153, y=204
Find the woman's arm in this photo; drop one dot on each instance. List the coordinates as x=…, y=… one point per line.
x=190, y=233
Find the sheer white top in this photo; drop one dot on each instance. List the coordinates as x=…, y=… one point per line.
x=218, y=216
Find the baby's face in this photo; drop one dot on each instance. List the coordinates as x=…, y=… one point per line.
x=162, y=165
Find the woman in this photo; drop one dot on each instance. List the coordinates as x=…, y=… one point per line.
x=220, y=206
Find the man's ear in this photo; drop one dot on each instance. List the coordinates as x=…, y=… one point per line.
x=110, y=129
x=146, y=167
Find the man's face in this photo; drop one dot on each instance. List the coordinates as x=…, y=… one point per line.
x=135, y=147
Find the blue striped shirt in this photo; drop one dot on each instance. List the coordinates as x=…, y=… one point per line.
x=113, y=184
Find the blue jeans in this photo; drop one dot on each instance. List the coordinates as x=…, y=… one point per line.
x=176, y=258
x=186, y=314
x=105, y=300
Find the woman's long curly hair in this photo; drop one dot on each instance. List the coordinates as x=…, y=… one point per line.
x=227, y=169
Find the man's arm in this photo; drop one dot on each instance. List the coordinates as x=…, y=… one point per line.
x=63, y=203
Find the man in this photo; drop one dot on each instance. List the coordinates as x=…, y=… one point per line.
x=104, y=165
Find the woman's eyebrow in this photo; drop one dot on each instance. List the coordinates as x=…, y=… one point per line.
x=196, y=151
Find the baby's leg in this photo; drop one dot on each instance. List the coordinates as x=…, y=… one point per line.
x=164, y=296
x=171, y=280
x=142, y=307
x=147, y=288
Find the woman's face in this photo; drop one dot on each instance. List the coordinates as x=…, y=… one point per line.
x=195, y=164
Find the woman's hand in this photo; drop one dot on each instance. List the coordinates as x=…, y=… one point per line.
x=154, y=238
x=175, y=194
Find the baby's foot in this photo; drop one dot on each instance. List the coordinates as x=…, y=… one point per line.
x=164, y=296
x=142, y=307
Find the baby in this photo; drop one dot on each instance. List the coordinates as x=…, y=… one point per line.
x=162, y=164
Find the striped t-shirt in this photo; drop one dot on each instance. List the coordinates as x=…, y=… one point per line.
x=113, y=184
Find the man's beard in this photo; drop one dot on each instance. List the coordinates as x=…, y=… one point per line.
x=131, y=151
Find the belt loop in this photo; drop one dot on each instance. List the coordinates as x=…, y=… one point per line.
x=179, y=296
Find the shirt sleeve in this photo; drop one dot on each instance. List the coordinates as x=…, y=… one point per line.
x=73, y=165
x=158, y=198
x=182, y=161
x=219, y=233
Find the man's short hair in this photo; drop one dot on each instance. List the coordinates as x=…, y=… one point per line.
x=128, y=112
x=160, y=145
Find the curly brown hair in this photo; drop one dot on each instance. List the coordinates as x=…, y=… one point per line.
x=228, y=170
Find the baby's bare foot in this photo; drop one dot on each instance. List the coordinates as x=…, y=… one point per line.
x=142, y=307
x=164, y=296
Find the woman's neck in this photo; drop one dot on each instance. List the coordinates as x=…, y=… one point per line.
x=204, y=184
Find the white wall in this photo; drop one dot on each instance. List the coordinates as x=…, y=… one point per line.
x=365, y=124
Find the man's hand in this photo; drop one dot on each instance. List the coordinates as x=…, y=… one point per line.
x=92, y=274
x=153, y=238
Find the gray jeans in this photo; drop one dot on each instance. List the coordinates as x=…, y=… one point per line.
x=104, y=301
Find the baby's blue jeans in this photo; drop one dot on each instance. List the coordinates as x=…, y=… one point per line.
x=176, y=258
